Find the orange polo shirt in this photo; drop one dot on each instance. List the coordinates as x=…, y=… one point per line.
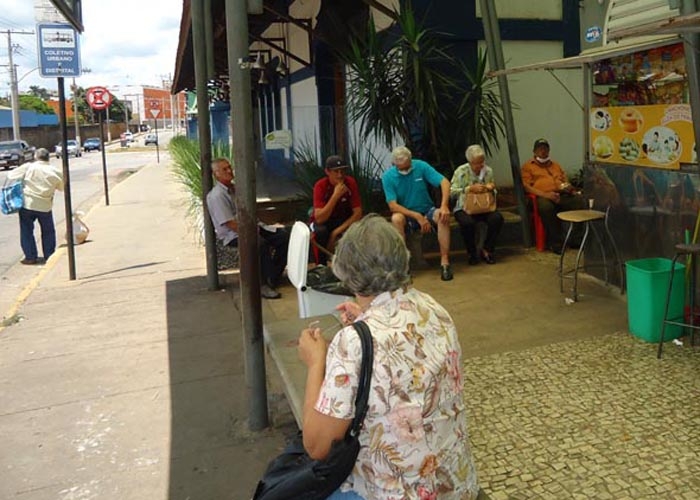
x=545, y=178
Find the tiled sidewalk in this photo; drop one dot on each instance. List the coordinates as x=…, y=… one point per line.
x=596, y=418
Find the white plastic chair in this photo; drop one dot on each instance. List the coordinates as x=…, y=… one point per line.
x=311, y=302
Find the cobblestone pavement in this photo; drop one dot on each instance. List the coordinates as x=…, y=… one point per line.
x=596, y=418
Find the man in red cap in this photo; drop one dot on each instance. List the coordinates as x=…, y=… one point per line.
x=336, y=204
x=545, y=178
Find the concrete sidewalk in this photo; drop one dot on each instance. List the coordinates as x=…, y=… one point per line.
x=128, y=383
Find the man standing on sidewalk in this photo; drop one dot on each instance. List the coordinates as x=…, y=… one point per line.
x=272, y=241
x=40, y=182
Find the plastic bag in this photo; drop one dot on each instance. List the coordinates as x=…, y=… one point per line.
x=321, y=278
x=80, y=229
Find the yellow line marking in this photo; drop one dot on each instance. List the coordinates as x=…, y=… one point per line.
x=32, y=285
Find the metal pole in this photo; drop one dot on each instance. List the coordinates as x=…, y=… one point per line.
x=158, y=150
x=74, y=88
x=209, y=39
x=66, y=178
x=496, y=61
x=104, y=158
x=14, y=93
x=242, y=124
x=204, y=133
x=109, y=131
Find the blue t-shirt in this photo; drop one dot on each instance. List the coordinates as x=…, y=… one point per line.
x=411, y=190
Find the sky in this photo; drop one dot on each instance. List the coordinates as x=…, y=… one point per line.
x=125, y=42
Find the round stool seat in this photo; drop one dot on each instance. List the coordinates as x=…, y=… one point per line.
x=691, y=248
x=581, y=215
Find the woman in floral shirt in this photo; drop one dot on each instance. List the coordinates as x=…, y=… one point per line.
x=415, y=443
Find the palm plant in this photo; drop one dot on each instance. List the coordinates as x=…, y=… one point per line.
x=365, y=167
x=481, y=105
x=187, y=171
x=399, y=88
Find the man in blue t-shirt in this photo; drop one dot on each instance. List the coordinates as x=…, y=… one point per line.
x=406, y=190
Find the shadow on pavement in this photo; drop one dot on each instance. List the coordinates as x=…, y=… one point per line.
x=212, y=452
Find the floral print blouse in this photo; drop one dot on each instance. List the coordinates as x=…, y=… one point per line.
x=415, y=443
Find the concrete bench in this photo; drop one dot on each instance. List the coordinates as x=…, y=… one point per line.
x=281, y=338
x=424, y=246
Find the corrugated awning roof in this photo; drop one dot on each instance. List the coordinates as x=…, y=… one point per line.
x=621, y=41
x=593, y=55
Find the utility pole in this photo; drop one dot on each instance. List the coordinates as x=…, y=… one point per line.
x=74, y=88
x=14, y=92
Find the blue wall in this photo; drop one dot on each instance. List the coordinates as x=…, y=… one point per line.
x=27, y=119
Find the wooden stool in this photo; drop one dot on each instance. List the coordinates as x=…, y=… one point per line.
x=587, y=217
x=693, y=250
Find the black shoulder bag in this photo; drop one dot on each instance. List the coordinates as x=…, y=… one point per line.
x=295, y=475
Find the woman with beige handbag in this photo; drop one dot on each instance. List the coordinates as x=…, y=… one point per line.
x=473, y=186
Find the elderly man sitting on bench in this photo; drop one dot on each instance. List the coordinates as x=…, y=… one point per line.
x=406, y=191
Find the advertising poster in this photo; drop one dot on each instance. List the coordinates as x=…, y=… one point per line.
x=659, y=135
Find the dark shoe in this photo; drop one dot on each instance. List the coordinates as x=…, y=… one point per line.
x=473, y=260
x=555, y=249
x=267, y=292
x=446, y=273
x=29, y=262
x=488, y=258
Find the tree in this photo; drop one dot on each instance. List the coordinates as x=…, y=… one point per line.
x=34, y=103
x=39, y=92
x=403, y=84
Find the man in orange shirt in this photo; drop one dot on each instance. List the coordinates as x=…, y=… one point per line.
x=545, y=178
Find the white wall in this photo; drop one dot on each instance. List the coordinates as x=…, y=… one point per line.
x=544, y=109
x=523, y=9
x=305, y=112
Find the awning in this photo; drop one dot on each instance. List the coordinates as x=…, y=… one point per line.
x=611, y=50
x=689, y=23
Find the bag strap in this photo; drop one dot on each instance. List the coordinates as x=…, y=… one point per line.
x=365, y=377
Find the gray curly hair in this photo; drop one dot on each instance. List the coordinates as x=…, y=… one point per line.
x=372, y=257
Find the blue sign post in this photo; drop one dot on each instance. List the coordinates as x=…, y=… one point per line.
x=59, y=51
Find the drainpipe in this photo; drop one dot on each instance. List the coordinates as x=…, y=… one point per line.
x=495, y=52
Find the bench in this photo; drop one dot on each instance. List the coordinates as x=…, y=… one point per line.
x=281, y=339
x=426, y=245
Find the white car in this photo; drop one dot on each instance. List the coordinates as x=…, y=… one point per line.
x=73, y=148
x=129, y=136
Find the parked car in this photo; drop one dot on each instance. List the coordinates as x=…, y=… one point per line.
x=73, y=148
x=129, y=136
x=14, y=153
x=150, y=139
x=92, y=144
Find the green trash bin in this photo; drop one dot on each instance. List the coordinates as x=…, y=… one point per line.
x=647, y=286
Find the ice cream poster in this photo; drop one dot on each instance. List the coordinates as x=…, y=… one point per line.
x=658, y=136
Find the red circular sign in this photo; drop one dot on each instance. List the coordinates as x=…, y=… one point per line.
x=98, y=97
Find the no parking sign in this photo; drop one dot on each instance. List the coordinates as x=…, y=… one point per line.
x=98, y=97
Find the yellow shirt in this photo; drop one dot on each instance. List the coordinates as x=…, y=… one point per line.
x=41, y=180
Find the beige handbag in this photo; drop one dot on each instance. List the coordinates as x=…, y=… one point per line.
x=479, y=203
